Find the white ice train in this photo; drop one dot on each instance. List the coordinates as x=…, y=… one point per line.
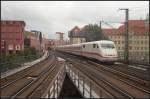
x=104, y=50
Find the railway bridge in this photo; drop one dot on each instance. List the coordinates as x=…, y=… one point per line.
x=62, y=75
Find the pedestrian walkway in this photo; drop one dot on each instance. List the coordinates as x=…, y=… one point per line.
x=24, y=66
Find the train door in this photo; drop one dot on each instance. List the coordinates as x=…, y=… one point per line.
x=83, y=46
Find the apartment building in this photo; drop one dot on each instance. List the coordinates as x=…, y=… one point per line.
x=138, y=40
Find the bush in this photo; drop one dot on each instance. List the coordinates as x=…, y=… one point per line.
x=14, y=60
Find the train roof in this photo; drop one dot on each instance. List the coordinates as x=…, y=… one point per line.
x=93, y=42
x=99, y=42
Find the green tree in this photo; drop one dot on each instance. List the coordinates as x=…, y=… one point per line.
x=93, y=33
x=40, y=37
x=14, y=60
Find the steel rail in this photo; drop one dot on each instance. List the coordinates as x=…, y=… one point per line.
x=20, y=77
x=126, y=76
x=44, y=73
x=11, y=82
x=127, y=95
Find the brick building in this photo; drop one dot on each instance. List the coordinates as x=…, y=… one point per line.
x=138, y=40
x=32, y=40
x=76, y=36
x=46, y=44
x=12, y=36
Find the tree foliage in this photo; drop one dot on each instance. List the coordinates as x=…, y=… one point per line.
x=15, y=60
x=40, y=37
x=93, y=33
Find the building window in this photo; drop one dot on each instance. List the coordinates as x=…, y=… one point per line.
x=10, y=47
x=130, y=42
x=17, y=51
x=18, y=47
x=141, y=42
x=130, y=36
x=97, y=46
x=141, y=48
x=141, y=37
x=134, y=42
x=130, y=47
x=10, y=51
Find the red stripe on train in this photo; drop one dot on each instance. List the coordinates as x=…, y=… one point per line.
x=92, y=53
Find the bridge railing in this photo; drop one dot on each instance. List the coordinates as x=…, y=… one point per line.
x=54, y=89
x=85, y=85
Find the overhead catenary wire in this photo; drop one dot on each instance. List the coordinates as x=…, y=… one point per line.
x=106, y=23
x=132, y=10
x=114, y=15
x=137, y=7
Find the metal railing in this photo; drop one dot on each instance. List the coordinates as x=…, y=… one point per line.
x=86, y=87
x=55, y=87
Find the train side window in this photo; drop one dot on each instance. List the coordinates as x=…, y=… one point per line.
x=94, y=45
x=97, y=46
x=83, y=46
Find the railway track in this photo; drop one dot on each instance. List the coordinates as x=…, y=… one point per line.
x=142, y=74
x=28, y=89
x=131, y=86
x=21, y=74
x=104, y=84
x=28, y=79
x=122, y=88
x=130, y=79
x=122, y=68
x=46, y=82
x=16, y=76
x=110, y=90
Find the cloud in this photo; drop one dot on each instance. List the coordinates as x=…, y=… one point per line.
x=61, y=16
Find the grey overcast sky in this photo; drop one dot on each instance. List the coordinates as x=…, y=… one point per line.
x=61, y=16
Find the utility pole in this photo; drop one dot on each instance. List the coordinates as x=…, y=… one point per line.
x=149, y=37
x=126, y=53
x=40, y=39
x=100, y=26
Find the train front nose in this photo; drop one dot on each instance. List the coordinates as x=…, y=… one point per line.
x=110, y=55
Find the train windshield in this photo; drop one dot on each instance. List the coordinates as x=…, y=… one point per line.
x=107, y=46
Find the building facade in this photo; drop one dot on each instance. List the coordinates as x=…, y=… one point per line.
x=76, y=36
x=12, y=36
x=46, y=44
x=32, y=40
x=138, y=40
